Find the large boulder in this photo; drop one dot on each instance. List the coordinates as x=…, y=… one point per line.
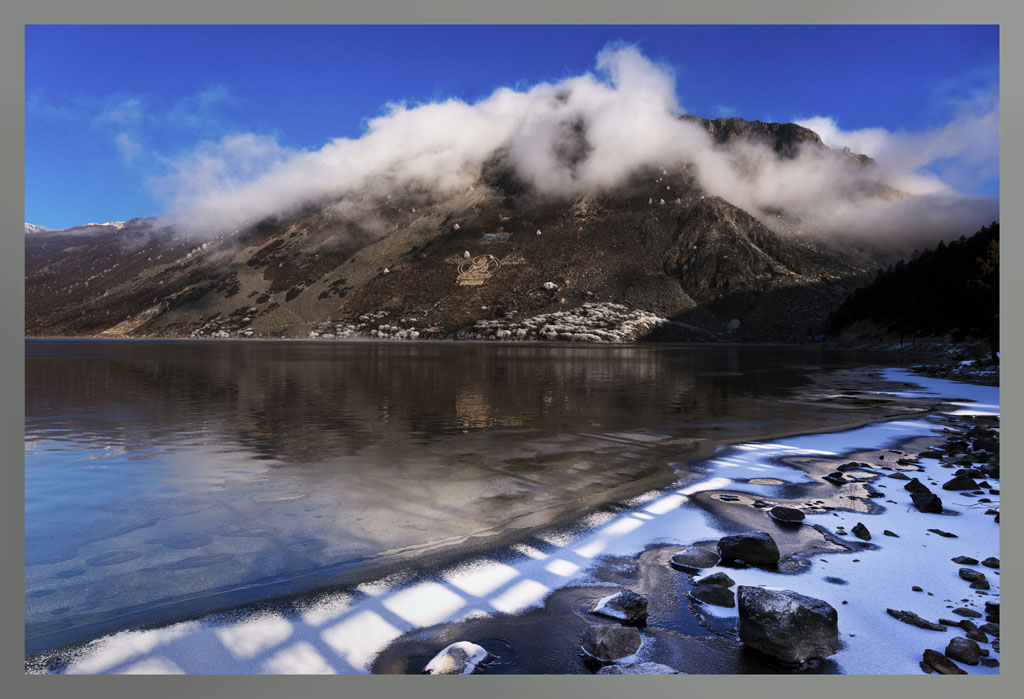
x=460, y=658
x=625, y=605
x=758, y=548
x=787, y=625
x=926, y=501
x=607, y=643
x=960, y=483
x=963, y=649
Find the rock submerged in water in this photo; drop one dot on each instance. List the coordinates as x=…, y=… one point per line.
x=647, y=668
x=607, y=643
x=758, y=548
x=787, y=625
x=625, y=606
x=460, y=658
x=693, y=559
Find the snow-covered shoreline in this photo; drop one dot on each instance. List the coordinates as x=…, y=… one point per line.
x=344, y=632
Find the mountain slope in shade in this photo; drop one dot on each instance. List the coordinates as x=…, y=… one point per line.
x=658, y=243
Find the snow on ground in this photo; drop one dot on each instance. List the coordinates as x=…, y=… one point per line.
x=343, y=633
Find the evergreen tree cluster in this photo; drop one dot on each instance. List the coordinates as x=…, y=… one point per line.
x=951, y=289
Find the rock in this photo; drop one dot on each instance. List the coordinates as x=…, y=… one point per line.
x=991, y=628
x=692, y=559
x=752, y=547
x=853, y=466
x=889, y=533
x=835, y=478
x=965, y=560
x=992, y=608
x=610, y=642
x=647, y=668
x=466, y=255
x=930, y=454
x=786, y=514
x=980, y=585
x=970, y=575
x=978, y=636
x=861, y=532
x=460, y=658
x=917, y=588
x=941, y=663
x=916, y=486
x=719, y=578
x=948, y=535
x=787, y=625
x=728, y=498
x=914, y=620
x=926, y=501
x=970, y=613
x=626, y=606
x=898, y=476
x=963, y=649
x=991, y=562
x=713, y=594
x=960, y=483
x=990, y=662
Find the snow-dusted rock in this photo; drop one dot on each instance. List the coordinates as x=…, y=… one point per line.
x=625, y=605
x=787, y=625
x=460, y=658
x=607, y=643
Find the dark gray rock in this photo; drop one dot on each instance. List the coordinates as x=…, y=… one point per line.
x=861, y=532
x=625, y=605
x=752, y=547
x=960, y=483
x=713, y=594
x=926, y=501
x=948, y=535
x=942, y=664
x=460, y=658
x=991, y=628
x=647, y=668
x=992, y=608
x=981, y=585
x=916, y=486
x=835, y=478
x=889, y=533
x=978, y=636
x=787, y=625
x=970, y=575
x=786, y=514
x=693, y=559
x=990, y=662
x=719, y=578
x=963, y=649
x=914, y=620
x=965, y=560
x=970, y=613
x=898, y=476
x=610, y=642
x=991, y=562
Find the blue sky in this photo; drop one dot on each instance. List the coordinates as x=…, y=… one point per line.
x=110, y=109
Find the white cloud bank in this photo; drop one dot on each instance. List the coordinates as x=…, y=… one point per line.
x=589, y=133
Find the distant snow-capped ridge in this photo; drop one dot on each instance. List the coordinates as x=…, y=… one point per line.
x=93, y=227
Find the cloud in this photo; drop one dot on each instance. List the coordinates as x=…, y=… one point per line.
x=584, y=134
x=128, y=146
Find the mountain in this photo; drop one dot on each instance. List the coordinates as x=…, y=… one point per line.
x=658, y=255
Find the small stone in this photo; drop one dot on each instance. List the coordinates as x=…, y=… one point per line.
x=978, y=636
x=728, y=498
x=970, y=575
x=981, y=585
x=835, y=478
x=991, y=562
x=948, y=535
x=991, y=628
x=889, y=533
x=692, y=559
x=898, y=476
x=861, y=532
x=989, y=662
x=917, y=588
x=719, y=578
x=965, y=560
x=963, y=649
x=914, y=620
x=964, y=611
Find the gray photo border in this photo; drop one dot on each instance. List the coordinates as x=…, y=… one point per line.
x=17, y=13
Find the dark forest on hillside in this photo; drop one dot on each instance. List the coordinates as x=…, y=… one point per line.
x=951, y=289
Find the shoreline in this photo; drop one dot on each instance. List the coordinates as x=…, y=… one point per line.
x=364, y=614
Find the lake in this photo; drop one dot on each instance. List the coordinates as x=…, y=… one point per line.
x=167, y=479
